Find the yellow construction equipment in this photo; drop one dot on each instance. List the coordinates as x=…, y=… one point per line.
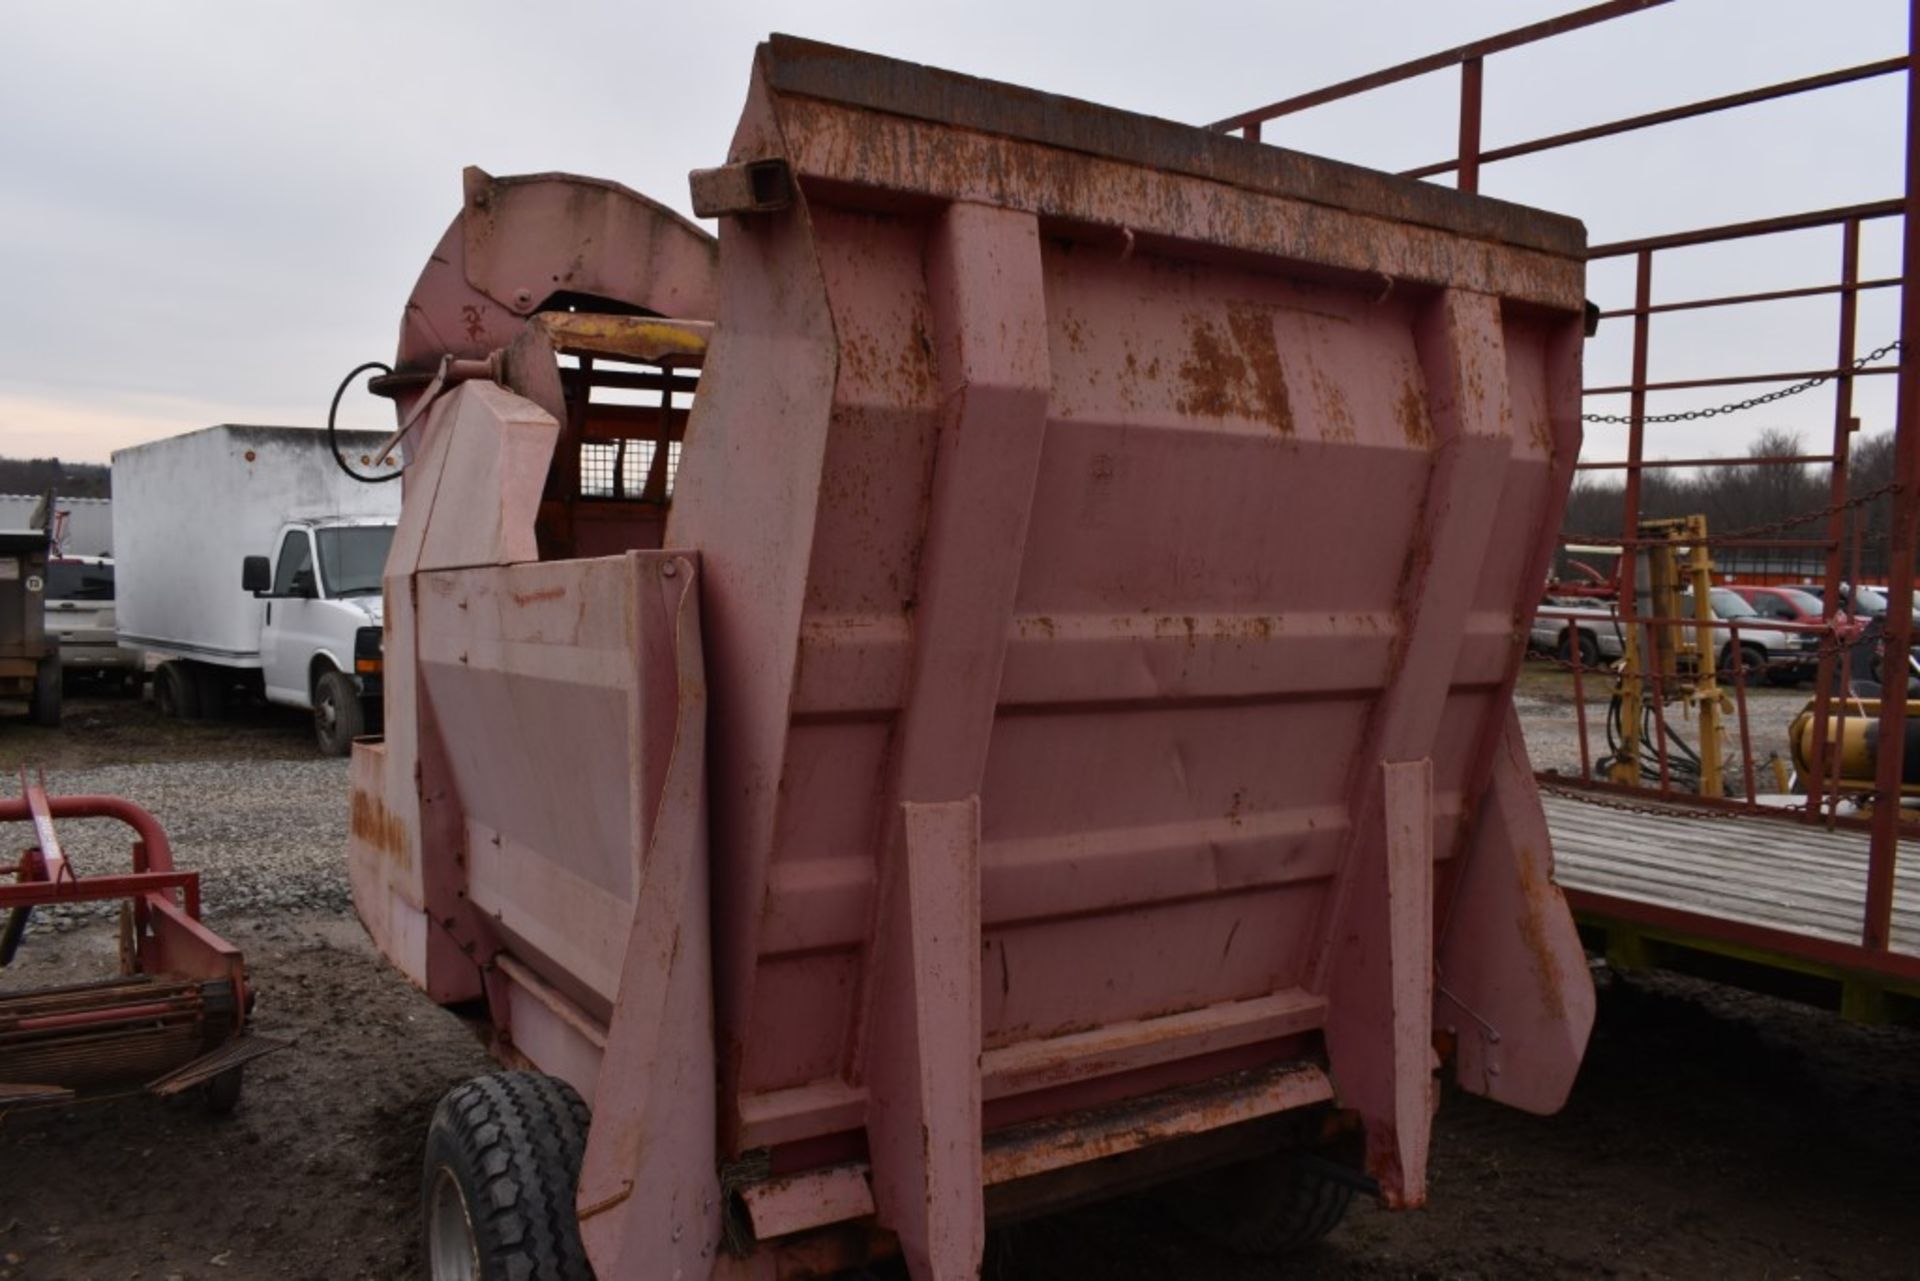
x=1667, y=661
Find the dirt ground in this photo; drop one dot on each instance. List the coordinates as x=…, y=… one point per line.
x=1712, y=1133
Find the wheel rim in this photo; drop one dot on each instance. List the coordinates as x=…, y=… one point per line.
x=326, y=716
x=453, y=1252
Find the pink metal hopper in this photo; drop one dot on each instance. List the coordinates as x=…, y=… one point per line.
x=1038, y=724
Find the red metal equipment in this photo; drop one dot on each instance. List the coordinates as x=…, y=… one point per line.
x=1009, y=760
x=174, y=1019
x=1718, y=908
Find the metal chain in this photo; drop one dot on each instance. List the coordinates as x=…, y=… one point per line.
x=1677, y=809
x=1752, y=402
x=1788, y=522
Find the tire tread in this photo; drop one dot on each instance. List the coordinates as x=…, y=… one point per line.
x=520, y=1137
x=1271, y=1206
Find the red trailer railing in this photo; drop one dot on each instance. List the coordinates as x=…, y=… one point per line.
x=1876, y=955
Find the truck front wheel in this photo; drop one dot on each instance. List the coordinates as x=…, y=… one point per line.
x=337, y=717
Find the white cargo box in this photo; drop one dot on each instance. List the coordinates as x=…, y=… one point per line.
x=187, y=509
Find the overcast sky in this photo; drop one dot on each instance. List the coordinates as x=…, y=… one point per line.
x=210, y=211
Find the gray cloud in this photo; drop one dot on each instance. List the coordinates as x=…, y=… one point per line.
x=211, y=210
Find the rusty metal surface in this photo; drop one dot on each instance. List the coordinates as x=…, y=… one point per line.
x=519, y=242
x=1075, y=1138
x=225, y=1057
x=87, y=1036
x=1011, y=430
x=1068, y=127
x=183, y=990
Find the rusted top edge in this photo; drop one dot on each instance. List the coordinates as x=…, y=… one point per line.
x=806, y=68
x=474, y=175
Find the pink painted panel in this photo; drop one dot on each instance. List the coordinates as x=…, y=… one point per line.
x=1114, y=549
x=543, y=656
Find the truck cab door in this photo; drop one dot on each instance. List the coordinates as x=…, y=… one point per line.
x=286, y=646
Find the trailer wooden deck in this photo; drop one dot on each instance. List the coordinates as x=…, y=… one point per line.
x=1758, y=900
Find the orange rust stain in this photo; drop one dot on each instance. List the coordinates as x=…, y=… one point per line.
x=1539, y=428
x=1237, y=373
x=534, y=598
x=1333, y=399
x=1075, y=332
x=373, y=824
x=1535, y=896
x=914, y=369
x=1253, y=330
x=1414, y=419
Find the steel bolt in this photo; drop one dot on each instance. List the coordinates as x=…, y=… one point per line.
x=523, y=298
x=669, y=569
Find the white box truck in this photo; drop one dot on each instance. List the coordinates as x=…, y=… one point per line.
x=249, y=562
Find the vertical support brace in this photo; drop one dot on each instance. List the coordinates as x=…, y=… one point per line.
x=1472, y=76
x=649, y=1196
x=923, y=1122
x=1514, y=987
x=1380, y=1038
x=918, y=1046
x=1366, y=963
x=1407, y=801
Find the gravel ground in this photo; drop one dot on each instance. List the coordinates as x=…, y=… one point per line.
x=266, y=836
x=1548, y=715
x=1712, y=1133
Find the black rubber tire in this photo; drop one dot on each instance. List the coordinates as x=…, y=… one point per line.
x=511, y=1142
x=1753, y=658
x=221, y=1095
x=1272, y=1205
x=176, y=692
x=1589, y=649
x=46, y=694
x=337, y=716
x=214, y=685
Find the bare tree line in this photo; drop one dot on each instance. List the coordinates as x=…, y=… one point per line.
x=66, y=480
x=1744, y=496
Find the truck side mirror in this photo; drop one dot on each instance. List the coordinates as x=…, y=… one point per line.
x=256, y=575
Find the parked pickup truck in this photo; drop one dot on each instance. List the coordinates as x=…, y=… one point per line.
x=1566, y=622
x=1781, y=657
x=80, y=613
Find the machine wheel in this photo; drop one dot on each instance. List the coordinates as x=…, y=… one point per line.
x=1271, y=1205
x=46, y=693
x=221, y=1095
x=337, y=716
x=1589, y=648
x=176, y=692
x=503, y=1163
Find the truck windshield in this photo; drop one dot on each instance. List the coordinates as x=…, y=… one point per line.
x=352, y=556
x=69, y=580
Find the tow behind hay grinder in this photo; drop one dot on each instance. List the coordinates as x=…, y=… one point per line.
x=173, y=1020
x=989, y=687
